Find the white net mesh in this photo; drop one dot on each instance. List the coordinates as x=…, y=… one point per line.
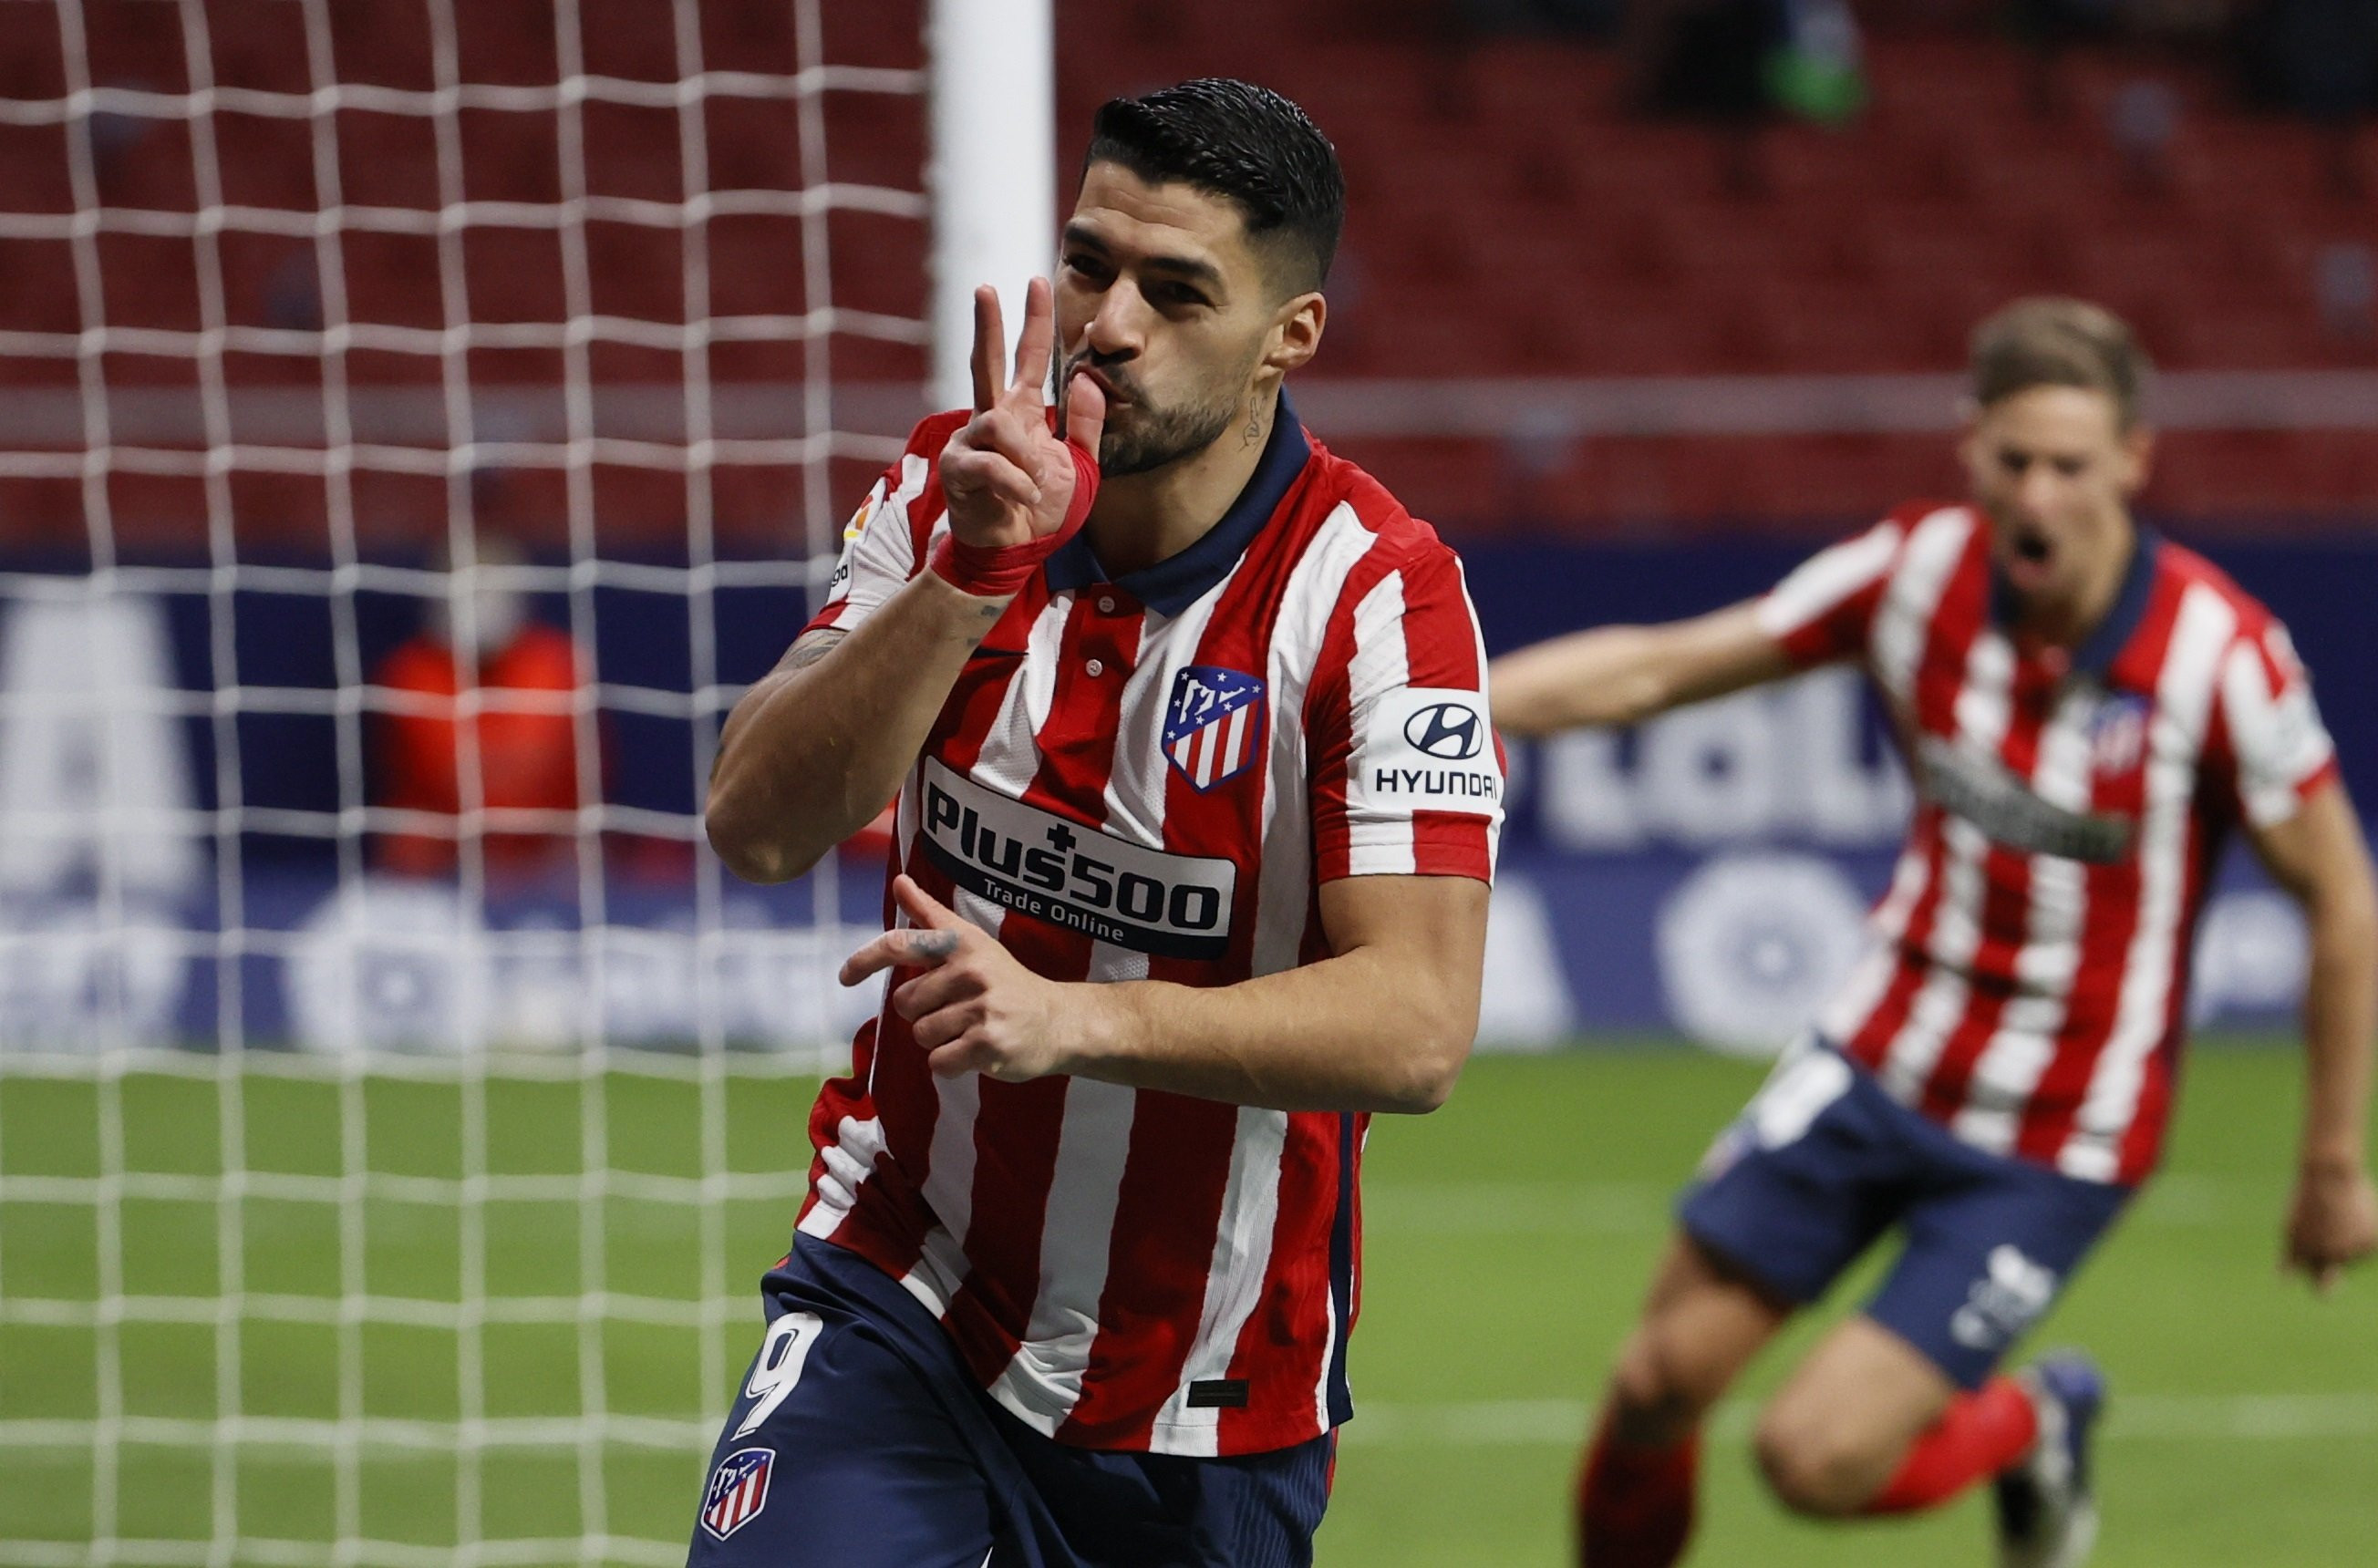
x=421, y=419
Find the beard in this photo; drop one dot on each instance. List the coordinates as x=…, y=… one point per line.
x=1150, y=436
x=1155, y=436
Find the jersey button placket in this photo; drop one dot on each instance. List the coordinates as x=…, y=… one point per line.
x=1102, y=638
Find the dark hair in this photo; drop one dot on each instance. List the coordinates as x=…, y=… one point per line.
x=1247, y=144
x=2060, y=342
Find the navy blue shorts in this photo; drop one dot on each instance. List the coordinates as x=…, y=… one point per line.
x=1824, y=1161
x=858, y=1440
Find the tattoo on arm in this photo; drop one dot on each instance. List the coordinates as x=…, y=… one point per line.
x=809, y=650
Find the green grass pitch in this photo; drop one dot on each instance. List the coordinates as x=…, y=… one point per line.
x=1508, y=1241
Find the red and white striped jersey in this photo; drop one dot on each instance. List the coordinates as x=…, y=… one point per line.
x=2027, y=977
x=1151, y=777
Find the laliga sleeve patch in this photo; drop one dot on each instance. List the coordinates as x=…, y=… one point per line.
x=739, y=1489
x=1426, y=749
x=838, y=586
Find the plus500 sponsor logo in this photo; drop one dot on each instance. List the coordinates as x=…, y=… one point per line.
x=1074, y=876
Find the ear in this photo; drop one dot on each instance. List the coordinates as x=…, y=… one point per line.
x=1969, y=432
x=2138, y=458
x=1296, y=333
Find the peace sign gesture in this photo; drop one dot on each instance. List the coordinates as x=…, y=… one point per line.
x=1009, y=479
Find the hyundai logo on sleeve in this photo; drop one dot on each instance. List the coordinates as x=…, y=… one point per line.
x=1425, y=748
x=1447, y=731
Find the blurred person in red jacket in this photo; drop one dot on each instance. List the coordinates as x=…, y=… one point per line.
x=479, y=639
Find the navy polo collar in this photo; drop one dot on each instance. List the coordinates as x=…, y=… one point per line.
x=2105, y=642
x=1172, y=585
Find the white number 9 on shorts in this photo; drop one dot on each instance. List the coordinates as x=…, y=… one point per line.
x=778, y=1367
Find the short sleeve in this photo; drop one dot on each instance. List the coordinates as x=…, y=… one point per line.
x=2278, y=750
x=879, y=544
x=1406, y=773
x=1825, y=609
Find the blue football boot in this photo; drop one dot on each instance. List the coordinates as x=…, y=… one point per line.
x=2048, y=1515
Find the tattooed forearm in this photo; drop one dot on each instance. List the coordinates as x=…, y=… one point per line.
x=809, y=650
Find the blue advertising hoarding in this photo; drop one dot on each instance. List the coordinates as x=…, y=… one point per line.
x=1705, y=874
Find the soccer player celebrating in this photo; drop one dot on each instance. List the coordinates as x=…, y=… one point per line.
x=1197, y=806
x=2087, y=709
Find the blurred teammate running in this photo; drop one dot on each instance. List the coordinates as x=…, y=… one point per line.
x=2087, y=710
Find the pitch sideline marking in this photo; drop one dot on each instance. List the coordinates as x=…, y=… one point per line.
x=2139, y=1418
x=1607, y=1207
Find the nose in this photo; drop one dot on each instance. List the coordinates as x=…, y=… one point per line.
x=1118, y=328
x=2036, y=492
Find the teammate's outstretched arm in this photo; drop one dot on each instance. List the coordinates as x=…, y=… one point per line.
x=1619, y=675
x=1384, y=1024
x=814, y=750
x=2318, y=855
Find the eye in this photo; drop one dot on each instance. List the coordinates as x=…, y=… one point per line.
x=1086, y=266
x=1176, y=295
x=2071, y=468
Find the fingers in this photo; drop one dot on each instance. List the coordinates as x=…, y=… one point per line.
x=1085, y=414
x=1033, y=349
x=924, y=908
x=906, y=948
x=972, y=472
x=962, y=1054
x=942, y=1005
x=973, y=1050
x=874, y=957
x=956, y=1022
x=932, y=941
x=935, y=989
x=2319, y=1273
x=997, y=451
x=2322, y=1265
x=1000, y=432
x=989, y=347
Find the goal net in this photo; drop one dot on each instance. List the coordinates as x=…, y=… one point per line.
x=423, y=417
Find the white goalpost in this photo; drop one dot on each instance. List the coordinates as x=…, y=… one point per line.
x=993, y=180
x=385, y=1181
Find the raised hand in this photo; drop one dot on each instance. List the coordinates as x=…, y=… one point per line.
x=2332, y=1223
x=1008, y=477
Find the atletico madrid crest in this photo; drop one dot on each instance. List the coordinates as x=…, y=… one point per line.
x=2118, y=733
x=739, y=1489
x=1213, y=725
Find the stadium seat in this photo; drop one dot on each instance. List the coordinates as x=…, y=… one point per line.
x=1508, y=217
x=265, y=161
x=41, y=516
x=513, y=274
x=884, y=34
x=33, y=163
x=387, y=160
